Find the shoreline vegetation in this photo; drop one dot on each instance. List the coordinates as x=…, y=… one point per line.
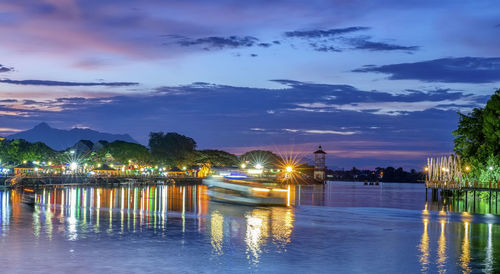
x=168, y=155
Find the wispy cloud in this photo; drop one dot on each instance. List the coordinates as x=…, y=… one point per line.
x=5, y=69
x=361, y=43
x=219, y=42
x=318, y=33
x=66, y=84
x=448, y=70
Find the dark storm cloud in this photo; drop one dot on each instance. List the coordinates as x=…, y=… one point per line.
x=66, y=84
x=448, y=70
x=5, y=69
x=323, y=33
x=379, y=46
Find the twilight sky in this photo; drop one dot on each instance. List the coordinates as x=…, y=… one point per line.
x=376, y=83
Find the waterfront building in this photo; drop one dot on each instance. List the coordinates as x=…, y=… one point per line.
x=105, y=170
x=27, y=168
x=319, y=165
x=176, y=172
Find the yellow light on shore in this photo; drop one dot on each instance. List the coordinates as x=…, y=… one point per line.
x=243, y=166
x=426, y=168
x=467, y=168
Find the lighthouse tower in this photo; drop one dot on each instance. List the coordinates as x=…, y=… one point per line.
x=319, y=165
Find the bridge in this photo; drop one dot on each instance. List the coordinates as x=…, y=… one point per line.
x=451, y=177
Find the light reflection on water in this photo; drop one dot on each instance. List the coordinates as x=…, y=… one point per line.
x=320, y=231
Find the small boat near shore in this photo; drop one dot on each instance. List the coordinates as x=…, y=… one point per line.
x=246, y=193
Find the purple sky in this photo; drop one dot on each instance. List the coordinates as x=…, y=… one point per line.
x=375, y=82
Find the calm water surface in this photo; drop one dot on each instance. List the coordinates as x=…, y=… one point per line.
x=340, y=227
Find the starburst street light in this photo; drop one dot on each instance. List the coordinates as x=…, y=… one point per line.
x=259, y=166
x=289, y=169
x=73, y=166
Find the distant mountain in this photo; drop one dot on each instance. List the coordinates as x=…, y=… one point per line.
x=60, y=139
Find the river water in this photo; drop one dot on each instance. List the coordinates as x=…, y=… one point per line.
x=341, y=227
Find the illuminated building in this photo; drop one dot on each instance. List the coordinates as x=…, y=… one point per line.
x=319, y=165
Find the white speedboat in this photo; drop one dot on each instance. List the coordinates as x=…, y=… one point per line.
x=247, y=193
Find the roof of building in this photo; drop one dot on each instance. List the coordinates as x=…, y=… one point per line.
x=320, y=150
x=105, y=167
x=27, y=165
x=175, y=169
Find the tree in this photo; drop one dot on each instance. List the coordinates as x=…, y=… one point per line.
x=216, y=158
x=124, y=151
x=19, y=150
x=477, y=140
x=172, y=148
x=262, y=157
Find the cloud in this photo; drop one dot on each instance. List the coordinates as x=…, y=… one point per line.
x=317, y=33
x=223, y=116
x=66, y=84
x=219, y=42
x=337, y=40
x=5, y=69
x=321, y=131
x=360, y=43
x=393, y=108
x=9, y=130
x=447, y=70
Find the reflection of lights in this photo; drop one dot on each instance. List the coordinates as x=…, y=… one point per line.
x=217, y=232
x=282, y=225
x=488, y=261
x=441, y=259
x=424, y=248
x=254, y=236
x=261, y=189
x=465, y=256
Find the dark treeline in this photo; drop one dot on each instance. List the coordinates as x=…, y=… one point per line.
x=388, y=174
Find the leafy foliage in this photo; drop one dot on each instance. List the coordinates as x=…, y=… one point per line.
x=20, y=150
x=477, y=140
x=217, y=158
x=172, y=148
x=124, y=151
x=263, y=157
